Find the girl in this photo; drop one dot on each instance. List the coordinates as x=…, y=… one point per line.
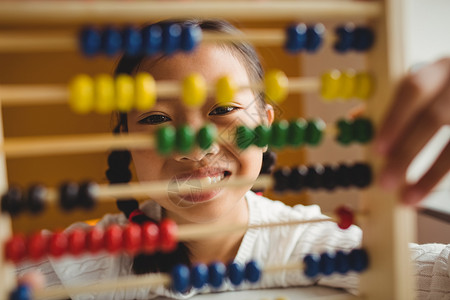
x=221, y=162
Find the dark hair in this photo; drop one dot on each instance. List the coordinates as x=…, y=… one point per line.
x=118, y=161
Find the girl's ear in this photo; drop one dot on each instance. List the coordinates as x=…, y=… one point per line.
x=270, y=113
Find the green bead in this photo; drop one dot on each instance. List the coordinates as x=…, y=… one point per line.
x=185, y=139
x=262, y=136
x=314, y=132
x=279, y=133
x=206, y=136
x=296, y=132
x=362, y=130
x=244, y=137
x=165, y=139
x=345, y=134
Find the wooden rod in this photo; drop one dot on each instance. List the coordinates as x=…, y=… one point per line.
x=76, y=12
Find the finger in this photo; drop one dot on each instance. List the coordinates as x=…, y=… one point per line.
x=414, y=93
x=414, y=193
x=357, y=111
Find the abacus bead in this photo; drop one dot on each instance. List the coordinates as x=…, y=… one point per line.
x=279, y=133
x=343, y=176
x=166, y=138
x=345, y=38
x=342, y=262
x=252, y=271
x=361, y=175
x=244, y=137
x=104, y=94
x=87, y=194
x=297, y=178
x=362, y=130
x=327, y=264
x=345, y=215
x=359, y=260
x=314, y=132
x=151, y=39
x=37, y=246
x=281, y=177
x=225, y=90
x=295, y=38
x=296, y=132
x=12, y=200
x=345, y=131
x=180, y=278
x=113, y=239
x=190, y=37
x=329, y=180
x=81, y=90
x=90, y=41
x=217, y=272
x=330, y=85
x=194, y=90
x=145, y=91
x=347, y=85
x=262, y=136
x=150, y=237
x=132, y=237
x=57, y=244
x=311, y=265
x=111, y=41
x=363, y=38
x=171, y=38
x=68, y=195
x=199, y=276
x=206, y=136
x=363, y=85
x=95, y=240
x=235, y=272
x=16, y=248
x=22, y=292
x=276, y=86
x=124, y=92
x=132, y=41
x=314, y=37
x=168, y=231
x=76, y=240
x=185, y=139
x=314, y=177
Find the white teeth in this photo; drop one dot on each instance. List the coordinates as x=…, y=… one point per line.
x=215, y=179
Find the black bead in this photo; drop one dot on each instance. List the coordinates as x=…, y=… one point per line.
x=329, y=179
x=281, y=177
x=36, y=198
x=87, y=194
x=361, y=175
x=297, y=178
x=314, y=177
x=118, y=175
x=122, y=158
x=12, y=201
x=68, y=195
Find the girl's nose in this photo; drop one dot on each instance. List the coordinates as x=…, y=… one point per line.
x=197, y=154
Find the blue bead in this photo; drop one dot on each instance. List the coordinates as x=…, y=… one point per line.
x=180, y=278
x=314, y=37
x=295, y=38
x=311, y=265
x=252, y=271
x=199, y=276
x=342, y=262
x=345, y=38
x=22, y=292
x=111, y=42
x=363, y=38
x=235, y=273
x=359, y=260
x=190, y=37
x=151, y=39
x=132, y=41
x=327, y=264
x=90, y=41
x=217, y=272
x=171, y=38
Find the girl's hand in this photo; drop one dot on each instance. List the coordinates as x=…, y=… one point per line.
x=421, y=107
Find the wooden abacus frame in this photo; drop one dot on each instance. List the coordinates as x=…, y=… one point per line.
x=387, y=227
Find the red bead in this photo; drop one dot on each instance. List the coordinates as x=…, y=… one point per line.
x=345, y=215
x=94, y=240
x=113, y=238
x=167, y=235
x=37, y=246
x=150, y=237
x=132, y=238
x=77, y=241
x=15, y=248
x=57, y=244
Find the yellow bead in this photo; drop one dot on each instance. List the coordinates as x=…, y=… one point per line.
x=331, y=85
x=145, y=91
x=276, y=86
x=364, y=86
x=225, y=90
x=104, y=94
x=347, y=85
x=124, y=92
x=81, y=98
x=194, y=90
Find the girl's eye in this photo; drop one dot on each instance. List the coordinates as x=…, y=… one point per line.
x=222, y=110
x=154, y=120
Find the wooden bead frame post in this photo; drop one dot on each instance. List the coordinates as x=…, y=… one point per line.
x=387, y=225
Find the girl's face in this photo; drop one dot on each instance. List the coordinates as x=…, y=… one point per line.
x=223, y=161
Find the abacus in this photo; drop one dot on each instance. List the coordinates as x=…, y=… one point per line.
x=385, y=239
